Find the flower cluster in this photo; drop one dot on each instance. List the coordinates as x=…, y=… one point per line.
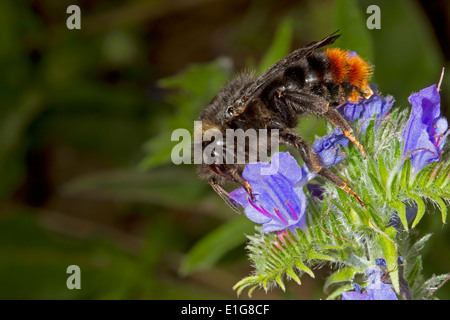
x=376, y=288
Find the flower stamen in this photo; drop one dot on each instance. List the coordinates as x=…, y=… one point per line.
x=261, y=209
x=292, y=209
x=437, y=139
x=280, y=216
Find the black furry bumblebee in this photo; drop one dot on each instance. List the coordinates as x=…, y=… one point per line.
x=306, y=81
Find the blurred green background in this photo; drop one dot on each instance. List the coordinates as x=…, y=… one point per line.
x=85, y=124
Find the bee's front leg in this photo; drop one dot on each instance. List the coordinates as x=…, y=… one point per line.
x=234, y=174
x=224, y=195
x=237, y=176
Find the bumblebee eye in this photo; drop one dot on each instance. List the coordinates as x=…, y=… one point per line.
x=230, y=111
x=220, y=169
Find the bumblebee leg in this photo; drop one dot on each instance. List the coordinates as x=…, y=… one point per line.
x=224, y=195
x=308, y=154
x=338, y=121
x=300, y=101
x=305, y=102
x=233, y=174
x=313, y=163
x=237, y=177
x=334, y=178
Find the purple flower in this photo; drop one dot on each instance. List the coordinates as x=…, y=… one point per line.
x=374, y=107
x=279, y=204
x=279, y=199
x=376, y=289
x=425, y=133
x=329, y=153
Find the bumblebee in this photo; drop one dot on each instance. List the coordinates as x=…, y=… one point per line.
x=307, y=81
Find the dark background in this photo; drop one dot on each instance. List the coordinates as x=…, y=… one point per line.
x=83, y=162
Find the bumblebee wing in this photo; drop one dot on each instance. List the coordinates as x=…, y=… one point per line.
x=291, y=60
x=224, y=195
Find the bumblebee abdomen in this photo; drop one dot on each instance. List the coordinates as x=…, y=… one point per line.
x=350, y=71
x=315, y=81
x=334, y=74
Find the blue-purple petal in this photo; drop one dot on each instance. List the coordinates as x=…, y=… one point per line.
x=424, y=135
x=239, y=197
x=284, y=164
x=278, y=203
x=328, y=151
x=375, y=107
x=381, y=291
x=353, y=295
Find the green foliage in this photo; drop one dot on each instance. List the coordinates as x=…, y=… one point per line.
x=280, y=47
x=351, y=22
x=156, y=186
x=209, y=249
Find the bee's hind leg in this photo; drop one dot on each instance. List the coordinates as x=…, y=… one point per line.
x=313, y=163
x=338, y=121
x=306, y=102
